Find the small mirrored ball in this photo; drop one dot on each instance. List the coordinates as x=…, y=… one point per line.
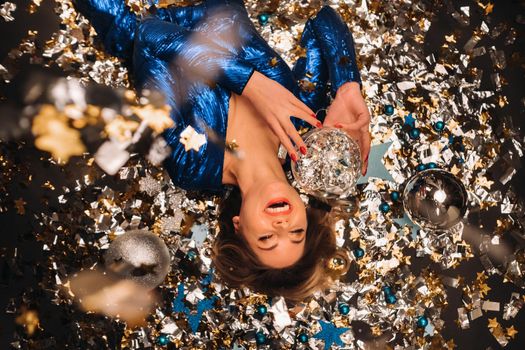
x=330, y=169
x=435, y=199
x=140, y=256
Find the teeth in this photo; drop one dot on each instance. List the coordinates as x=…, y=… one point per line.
x=279, y=209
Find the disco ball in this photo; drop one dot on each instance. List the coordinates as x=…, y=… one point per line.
x=140, y=256
x=331, y=167
x=435, y=199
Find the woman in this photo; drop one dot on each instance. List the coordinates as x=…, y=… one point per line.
x=217, y=73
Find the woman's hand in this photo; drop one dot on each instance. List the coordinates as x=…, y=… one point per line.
x=349, y=112
x=276, y=104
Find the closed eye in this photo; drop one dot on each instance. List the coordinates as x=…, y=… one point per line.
x=265, y=238
x=299, y=230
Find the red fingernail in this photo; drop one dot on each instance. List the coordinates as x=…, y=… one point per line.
x=366, y=159
x=319, y=125
x=303, y=150
x=314, y=116
x=338, y=126
x=294, y=157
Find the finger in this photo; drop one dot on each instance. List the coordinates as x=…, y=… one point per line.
x=296, y=138
x=359, y=124
x=302, y=106
x=285, y=140
x=365, y=141
x=299, y=113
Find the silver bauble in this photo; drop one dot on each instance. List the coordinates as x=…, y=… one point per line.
x=331, y=167
x=435, y=199
x=140, y=256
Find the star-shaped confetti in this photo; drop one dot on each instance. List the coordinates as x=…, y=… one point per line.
x=511, y=332
x=405, y=220
x=194, y=318
x=28, y=319
x=330, y=334
x=157, y=118
x=199, y=233
x=493, y=323
x=191, y=139
x=20, y=206
x=376, y=167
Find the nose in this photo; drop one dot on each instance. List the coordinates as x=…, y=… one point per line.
x=283, y=223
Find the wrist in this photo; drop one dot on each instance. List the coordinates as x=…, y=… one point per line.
x=350, y=85
x=250, y=84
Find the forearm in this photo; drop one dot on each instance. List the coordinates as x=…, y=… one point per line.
x=338, y=48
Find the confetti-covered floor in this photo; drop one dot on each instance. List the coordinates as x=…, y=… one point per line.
x=445, y=84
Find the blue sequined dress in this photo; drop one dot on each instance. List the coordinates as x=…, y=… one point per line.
x=151, y=46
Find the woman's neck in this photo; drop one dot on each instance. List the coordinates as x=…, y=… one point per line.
x=258, y=146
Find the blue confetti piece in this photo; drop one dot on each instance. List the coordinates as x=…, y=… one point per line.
x=178, y=304
x=409, y=120
x=330, y=334
x=376, y=167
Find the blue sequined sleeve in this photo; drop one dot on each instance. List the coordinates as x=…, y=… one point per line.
x=116, y=26
x=337, y=47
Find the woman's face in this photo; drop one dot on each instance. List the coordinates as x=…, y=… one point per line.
x=273, y=222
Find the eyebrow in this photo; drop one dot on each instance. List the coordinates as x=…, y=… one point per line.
x=275, y=245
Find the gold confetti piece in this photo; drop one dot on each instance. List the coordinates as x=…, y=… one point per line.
x=157, y=118
x=489, y=8
x=191, y=139
x=273, y=62
x=55, y=136
x=28, y=319
x=121, y=129
x=511, y=331
x=484, y=289
x=20, y=206
x=493, y=323
x=484, y=182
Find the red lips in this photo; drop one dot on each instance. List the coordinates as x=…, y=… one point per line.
x=278, y=211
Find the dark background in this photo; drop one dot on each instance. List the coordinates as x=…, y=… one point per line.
x=24, y=272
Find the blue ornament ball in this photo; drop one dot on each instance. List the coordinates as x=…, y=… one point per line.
x=390, y=299
x=414, y=133
x=358, y=253
x=262, y=309
x=163, y=340
x=421, y=167
x=303, y=338
x=431, y=165
x=439, y=126
x=384, y=207
x=263, y=18
x=422, y=322
x=387, y=290
x=344, y=309
x=260, y=338
x=389, y=109
x=394, y=195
